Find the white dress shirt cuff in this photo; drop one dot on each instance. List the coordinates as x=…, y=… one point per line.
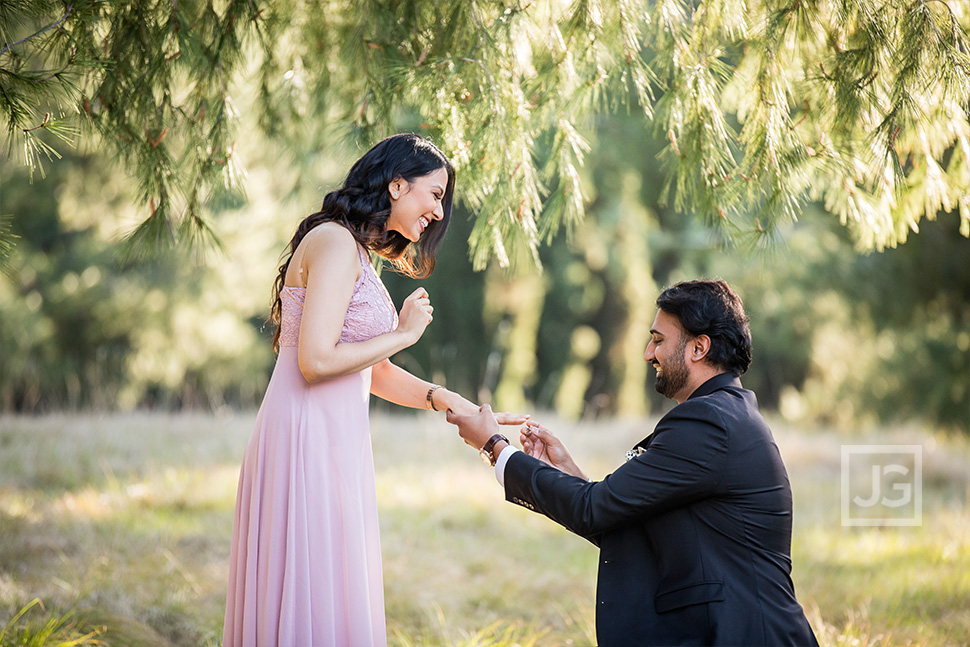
x=503, y=458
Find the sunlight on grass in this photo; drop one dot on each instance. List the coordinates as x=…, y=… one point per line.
x=127, y=519
x=34, y=626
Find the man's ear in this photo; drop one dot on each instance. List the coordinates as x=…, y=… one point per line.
x=699, y=347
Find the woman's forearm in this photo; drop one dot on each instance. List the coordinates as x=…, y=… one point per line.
x=318, y=365
x=394, y=384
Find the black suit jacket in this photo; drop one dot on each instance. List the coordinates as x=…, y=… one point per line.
x=694, y=533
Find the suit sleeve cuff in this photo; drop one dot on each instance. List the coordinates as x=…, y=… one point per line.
x=503, y=458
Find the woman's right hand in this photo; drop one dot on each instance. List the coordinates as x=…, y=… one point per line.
x=415, y=314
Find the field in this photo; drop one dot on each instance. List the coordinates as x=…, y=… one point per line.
x=120, y=525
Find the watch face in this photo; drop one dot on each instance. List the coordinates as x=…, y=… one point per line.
x=485, y=457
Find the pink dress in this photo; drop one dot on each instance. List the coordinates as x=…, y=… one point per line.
x=305, y=563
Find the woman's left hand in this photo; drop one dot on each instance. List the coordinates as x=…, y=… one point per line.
x=507, y=418
x=445, y=400
x=449, y=400
x=462, y=407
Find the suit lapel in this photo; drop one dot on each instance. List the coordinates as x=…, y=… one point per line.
x=717, y=382
x=640, y=447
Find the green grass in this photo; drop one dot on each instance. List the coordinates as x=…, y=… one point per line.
x=121, y=525
x=34, y=626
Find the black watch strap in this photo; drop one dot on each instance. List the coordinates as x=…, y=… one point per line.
x=487, y=453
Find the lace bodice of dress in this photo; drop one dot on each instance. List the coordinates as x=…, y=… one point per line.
x=370, y=313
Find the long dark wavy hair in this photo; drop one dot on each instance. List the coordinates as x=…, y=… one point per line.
x=362, y=205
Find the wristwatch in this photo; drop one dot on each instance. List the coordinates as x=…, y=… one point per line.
x=486, y=452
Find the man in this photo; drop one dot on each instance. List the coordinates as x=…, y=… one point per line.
x=694, y=530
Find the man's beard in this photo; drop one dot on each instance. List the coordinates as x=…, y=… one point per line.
x=674, y=375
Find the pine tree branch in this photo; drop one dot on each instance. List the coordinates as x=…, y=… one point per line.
x=503, y=86
x=6, y=47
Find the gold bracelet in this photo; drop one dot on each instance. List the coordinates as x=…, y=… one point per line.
x=430, y=396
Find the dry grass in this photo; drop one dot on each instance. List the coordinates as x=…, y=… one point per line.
x=126, y=521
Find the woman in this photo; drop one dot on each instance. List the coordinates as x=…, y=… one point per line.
x=305, y=564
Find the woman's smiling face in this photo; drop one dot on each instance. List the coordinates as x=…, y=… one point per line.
x=415, y=204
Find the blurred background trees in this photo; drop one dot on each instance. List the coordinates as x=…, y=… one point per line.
x=670, y=139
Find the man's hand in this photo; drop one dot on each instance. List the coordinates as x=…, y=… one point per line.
x=540, y=443
x=477, y=428
x=445, y=399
